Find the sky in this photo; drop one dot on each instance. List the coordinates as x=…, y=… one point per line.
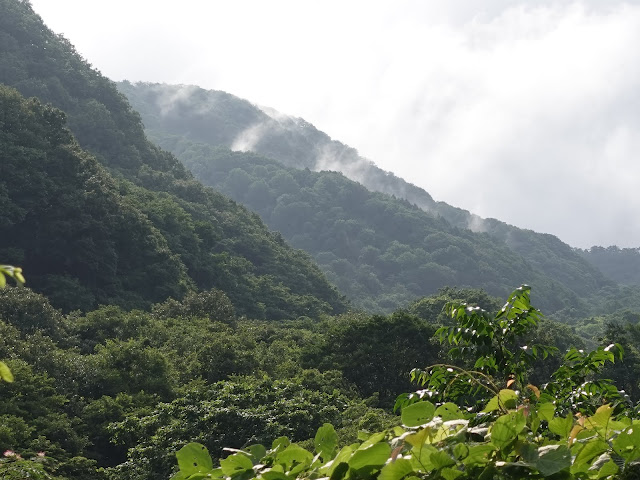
x=525, y=111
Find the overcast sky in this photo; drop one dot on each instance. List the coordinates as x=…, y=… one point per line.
x=526, y=111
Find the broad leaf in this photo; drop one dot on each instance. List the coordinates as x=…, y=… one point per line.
x=418, y=414
x=395, y=470
x=627, y=443
x=505, y=399
x=449, y=411
x=561, y=426
x=506, y=429
x=236, y=463
x=5, y=373
x=552, y=459
x=326, y=441
x=373, y=456
x=194, y=458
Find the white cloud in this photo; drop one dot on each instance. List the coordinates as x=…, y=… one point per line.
x=524, y=111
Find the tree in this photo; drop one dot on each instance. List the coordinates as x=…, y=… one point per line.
x=16, y=274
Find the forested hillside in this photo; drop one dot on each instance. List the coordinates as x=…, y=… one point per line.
x=619, y=264
x=158, y=312
x=381, y=251
x=217, y=118
x=208, y=240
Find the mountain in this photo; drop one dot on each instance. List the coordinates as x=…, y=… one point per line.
x=204, y=239
x=199, y=125
x=619, y=264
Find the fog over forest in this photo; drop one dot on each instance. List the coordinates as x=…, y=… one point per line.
x=464, y=99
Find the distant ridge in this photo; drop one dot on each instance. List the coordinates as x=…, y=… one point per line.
x=217, y=118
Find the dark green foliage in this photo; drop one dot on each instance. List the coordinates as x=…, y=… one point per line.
x=232, y=414
x=381, y=251
x=70, y=224
x=160, y=224
x=374, y=352
x=179, y=118
x=619, y=264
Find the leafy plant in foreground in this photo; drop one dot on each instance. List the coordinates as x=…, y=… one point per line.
x=533, y=432
x=16, y=274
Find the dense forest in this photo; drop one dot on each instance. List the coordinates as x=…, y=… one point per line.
x=171, y=324
x=179, y=116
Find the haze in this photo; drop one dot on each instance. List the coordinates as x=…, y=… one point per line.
x=528, y=112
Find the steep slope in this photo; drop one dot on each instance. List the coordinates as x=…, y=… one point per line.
x=218, y=118
x=381, y=251
x=619, y=264
x=65, y=222
x=220, y=243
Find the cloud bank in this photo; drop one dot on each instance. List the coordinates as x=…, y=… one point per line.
x=524, y=111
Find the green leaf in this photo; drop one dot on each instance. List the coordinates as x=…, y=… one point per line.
x=450, y=473
x=441, y=459
x=326, y=441
x=280, y=443
x=449, y=411
x=5, y=373
x=590, y=450
x=506, y=429
x=395, y=470
x=236, y=463
x=373, y=456
x=418, y=414
x=552, y=459
x=561, y=426
x=273, y=475
x=505, y=399
x=627, y=443
x=546, y=411
x=461, y=451
x=194, y=458
x=339, y=471
x=342, y=458
x=294, y=455
x=257, y=452
x=479, y=454
x=608, y=469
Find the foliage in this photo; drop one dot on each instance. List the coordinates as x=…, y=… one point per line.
x=381, y=251
x=10, y=271
x=189, y=121
x=571, y=428
x=232, y=414
x=619, y=264
x=89, y=237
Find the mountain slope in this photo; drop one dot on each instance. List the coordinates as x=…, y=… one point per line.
x=218, y=118
x=53, y=196
x=381, y=251
x=219, y=242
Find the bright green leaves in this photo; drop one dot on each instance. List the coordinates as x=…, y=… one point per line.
x=396, y=470
x=418, y=414
x=235, y=464
x=326, y=441
x=627, y=443
x=561, y=426
x=194, y=462
x=5, y=373
x=10, y=271
x=505, y=400
x=374, y=456
x=506, y=429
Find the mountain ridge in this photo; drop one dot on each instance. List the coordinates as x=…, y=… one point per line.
x=220, y=243
x=201, y=116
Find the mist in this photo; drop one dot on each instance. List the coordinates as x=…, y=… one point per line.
x=523, y=111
